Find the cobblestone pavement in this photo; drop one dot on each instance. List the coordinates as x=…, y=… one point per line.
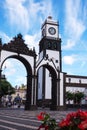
x=19, y=119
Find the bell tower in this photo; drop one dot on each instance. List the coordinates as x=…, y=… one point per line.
x=50, y=42
x=50, y=73
x=50, y=28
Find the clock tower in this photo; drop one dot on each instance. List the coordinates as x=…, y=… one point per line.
x=50, y=58
x=50, y=28
x=50, y=43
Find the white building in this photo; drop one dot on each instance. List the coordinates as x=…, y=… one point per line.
x=50, y=58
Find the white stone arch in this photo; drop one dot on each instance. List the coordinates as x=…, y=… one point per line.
x=42, y=62
x=60, y=91
x=17, y=49
x=7, y=54
x=54, y=76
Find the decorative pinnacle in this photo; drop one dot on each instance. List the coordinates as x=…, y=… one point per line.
x=49, y=17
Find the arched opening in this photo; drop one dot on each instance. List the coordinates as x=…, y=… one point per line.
x=15, y=72
x=41, y=87
x=28, y=78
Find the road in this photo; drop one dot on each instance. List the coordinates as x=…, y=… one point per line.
x=19, y=119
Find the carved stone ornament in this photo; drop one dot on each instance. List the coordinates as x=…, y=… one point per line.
x=17, y=45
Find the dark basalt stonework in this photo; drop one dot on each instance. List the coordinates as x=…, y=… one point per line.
x=17, y=45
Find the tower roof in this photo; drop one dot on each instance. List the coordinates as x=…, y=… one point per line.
x=49, y=20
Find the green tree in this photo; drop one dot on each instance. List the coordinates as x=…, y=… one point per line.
x=78, y=96
x=75, y=96
x=22, y=86
x=6, y=88
x=69, y=95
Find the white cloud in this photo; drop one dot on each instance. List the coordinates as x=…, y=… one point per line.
x=74, y=23
x=17, y=14
x=43, y=8
x=27, y=14
x=69, y=45
x=38, y=11
x=10, y=72
x=20, y=80
x=32, y=41
x=4, y=37
x=15, y=71
x=69, y=60
x=8, y=64
x=8, y=68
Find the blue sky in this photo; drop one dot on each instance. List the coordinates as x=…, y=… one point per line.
x=27, y=16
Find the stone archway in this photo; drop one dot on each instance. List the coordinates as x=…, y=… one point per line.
x=17, y=49
x=54, y=94
x=29, y=78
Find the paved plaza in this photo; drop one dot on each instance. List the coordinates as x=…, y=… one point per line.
x=19, y=119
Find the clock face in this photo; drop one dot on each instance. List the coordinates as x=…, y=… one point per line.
x=52, y=30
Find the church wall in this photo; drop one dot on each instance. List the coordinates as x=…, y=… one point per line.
x=40, y=58
x=76, y=79
x=30, y=60
x=5, y=54
x=61, y=90
x=48, y=85
x=54, y=55
x=40, y=84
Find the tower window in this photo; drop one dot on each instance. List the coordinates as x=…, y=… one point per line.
x=69, y=80
x=49, y=45
x=56, y=61
x=80, y=81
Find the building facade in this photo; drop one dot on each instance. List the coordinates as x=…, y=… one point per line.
x=50, y=55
